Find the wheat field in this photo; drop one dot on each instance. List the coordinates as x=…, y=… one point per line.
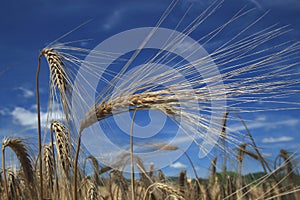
x=257, y=72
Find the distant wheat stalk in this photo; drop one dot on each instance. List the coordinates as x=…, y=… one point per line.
x=59, y=80
x=95, y=165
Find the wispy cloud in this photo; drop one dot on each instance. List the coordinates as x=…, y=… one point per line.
x=131, y=11
x=256, y=4
x=277, y=139
x=262, y=123
x=112, y=20
x=286, y=3
x=26, y=93
x=4, y=111
x=178, y=165
x=266, y=155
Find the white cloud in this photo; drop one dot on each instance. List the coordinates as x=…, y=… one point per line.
x=278, y=139
x=178, y=165
x=261, y=118
x=266, y=155
x=26, y=93
x=24, y=117
x=28, y=117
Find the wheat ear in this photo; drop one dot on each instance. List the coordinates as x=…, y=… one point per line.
x=92, y=192
x=21, y=152
x=147, y=100
x=49, y=167
x=62, y=145
x=165, y=188
x=58, y=75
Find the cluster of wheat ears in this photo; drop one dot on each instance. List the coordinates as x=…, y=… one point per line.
x=258, y=71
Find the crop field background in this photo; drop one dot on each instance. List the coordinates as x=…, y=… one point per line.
x=150, y=100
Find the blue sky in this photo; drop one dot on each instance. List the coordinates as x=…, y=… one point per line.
x=28, y=26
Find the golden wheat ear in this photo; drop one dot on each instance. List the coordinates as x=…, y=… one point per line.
x=63, y=146
x=92, y=192
x=48, y=159
x=58, y=76
x=19, y=148
x=21, y=151
x=166, y=188
x=146, y=100
x=56, y=65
